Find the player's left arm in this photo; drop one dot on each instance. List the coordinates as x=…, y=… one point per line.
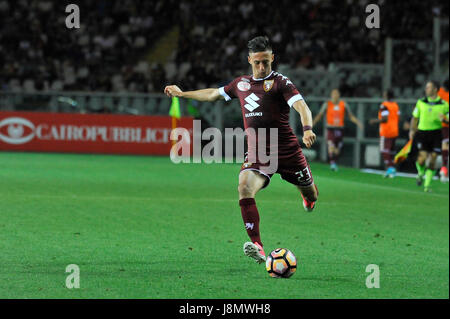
x=383, y=116
x=307, y=122
x=444, y=117
x=383, y=119
x=352, y=117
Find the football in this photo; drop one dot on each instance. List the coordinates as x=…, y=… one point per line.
x=281, y=263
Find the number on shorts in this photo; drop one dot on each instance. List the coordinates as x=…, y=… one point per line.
x=301, y=174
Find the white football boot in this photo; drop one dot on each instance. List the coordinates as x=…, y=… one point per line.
x=255, y=251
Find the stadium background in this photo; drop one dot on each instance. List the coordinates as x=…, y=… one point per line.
x=119, y=61
x=126, y=52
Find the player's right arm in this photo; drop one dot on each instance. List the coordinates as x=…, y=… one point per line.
x=414, y=121
x=383, y=115
x=204, y=95
x=445, y=117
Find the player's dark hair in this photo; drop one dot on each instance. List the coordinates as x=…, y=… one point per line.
x=390, y=94
x=445, y=85
x=336, y=89
x=435, y=83
x=259, y=44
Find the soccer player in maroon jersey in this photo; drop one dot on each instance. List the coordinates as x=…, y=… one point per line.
x=266, y=98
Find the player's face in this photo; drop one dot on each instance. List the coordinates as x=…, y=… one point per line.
x=261, y=63
x=430, y=90
x=335, y=95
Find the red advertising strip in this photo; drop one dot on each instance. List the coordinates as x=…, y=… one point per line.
x=88, y=133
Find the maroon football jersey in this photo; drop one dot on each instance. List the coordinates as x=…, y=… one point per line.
x=266, y=103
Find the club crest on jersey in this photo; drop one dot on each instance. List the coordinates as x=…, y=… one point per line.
x=243, y=86
x=268, y=85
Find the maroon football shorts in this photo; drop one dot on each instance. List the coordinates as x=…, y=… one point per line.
x=335, y=136
x=387, y=144
x=292, y=168
x=445, y=134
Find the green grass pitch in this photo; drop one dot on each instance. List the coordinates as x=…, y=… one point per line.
x=142, y=227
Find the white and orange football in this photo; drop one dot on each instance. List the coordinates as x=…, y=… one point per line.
x=281, y=263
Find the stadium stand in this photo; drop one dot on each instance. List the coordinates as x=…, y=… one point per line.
x=112, y=51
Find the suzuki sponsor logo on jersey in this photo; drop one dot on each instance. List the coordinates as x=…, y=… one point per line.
x=252, y=114
x=251, y=102
x=243, y=86
x=252, y=105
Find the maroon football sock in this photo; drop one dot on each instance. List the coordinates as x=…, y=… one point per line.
x=250, y=217
x=445, y=158
x=387, y=158
x=331, y=158
x=336, y=156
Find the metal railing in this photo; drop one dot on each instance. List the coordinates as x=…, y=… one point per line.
x=219, y=114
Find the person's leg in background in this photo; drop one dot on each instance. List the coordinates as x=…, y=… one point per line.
x=430, y=171
x=444, y=169
x=387, y=146
x=420, y=165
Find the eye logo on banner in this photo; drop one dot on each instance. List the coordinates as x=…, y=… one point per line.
x=16, y=130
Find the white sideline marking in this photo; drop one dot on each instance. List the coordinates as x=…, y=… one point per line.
x=397, y=189
x=380, y=172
